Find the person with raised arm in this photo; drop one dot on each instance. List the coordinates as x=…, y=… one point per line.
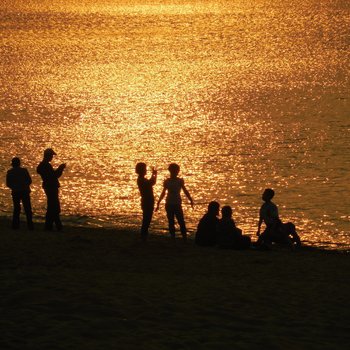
x=147, y=197
x=51, y=186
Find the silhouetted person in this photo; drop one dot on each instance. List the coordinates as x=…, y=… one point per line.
x=51, y=187
x=19, y=180
x=147, y=197
x=206, y=235
x=269, y=216
x=172, y=187
x=230, y=236
x=275, y=230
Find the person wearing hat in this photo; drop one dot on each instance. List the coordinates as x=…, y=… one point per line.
x=50, y=177
x=19, y=180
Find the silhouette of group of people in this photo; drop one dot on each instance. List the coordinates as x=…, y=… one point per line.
x=173, y=203
x=224, y=233
x=211, y=230
x=19, y=181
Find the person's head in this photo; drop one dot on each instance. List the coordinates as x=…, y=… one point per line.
x=213, y=208
x=226, y=212
x=141, y=169
x=16, y=162
x=49, y=153
x=174, y=169
x=268, y=194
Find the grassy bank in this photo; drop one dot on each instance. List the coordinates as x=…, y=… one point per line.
x=103, y=289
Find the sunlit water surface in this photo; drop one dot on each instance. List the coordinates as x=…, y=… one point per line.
x=244, y=95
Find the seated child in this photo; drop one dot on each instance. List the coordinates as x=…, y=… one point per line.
x=206, y=229
x=230, y=236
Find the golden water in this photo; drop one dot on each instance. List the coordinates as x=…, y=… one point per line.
x=244, y=95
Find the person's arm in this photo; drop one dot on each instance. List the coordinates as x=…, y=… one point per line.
x=262, y=214
x=259, y=225
x=28, y=178
x=237, y=232
x=153, y=178
x=59, y=170
x=8, y=180
x=38, y=169
x=160, y=198
x=187, y=194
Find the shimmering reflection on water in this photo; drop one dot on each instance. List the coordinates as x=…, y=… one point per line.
x=242, y=97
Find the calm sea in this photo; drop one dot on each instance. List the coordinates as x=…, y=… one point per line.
x=244, y=95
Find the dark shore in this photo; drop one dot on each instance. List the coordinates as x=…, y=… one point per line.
x=103, y=289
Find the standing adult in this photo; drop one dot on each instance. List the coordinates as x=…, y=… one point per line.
x=19, y=180
x=51, y=186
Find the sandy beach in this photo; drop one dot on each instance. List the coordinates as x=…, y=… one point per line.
x=103, y=289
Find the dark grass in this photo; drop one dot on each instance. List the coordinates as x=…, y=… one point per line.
x=103, y=289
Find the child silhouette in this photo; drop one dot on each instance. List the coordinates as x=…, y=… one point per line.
x=172, y=187
x=147, y=197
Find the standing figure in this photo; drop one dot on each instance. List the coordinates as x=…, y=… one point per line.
x=173, y=186
x=147, y=197
x=51, y=185
x=19, y=180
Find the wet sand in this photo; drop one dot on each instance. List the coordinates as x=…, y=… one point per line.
x=103, y=289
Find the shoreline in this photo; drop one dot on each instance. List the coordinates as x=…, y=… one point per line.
x=5, y=223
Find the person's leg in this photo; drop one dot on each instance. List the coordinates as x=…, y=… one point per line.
x=291, y=230
x=16, y=199
x=181, y=221
x=147, y=213
x=48, y=216
x=281, y=235
x=57, y=210
x=265, y=239
x=51, y=210
x=28, y=209
x=170, y=213
x=58, y=222
x=296, y=239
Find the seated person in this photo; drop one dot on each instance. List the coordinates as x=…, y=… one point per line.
x=275, y=230
x=206, y=230
x=230, y=236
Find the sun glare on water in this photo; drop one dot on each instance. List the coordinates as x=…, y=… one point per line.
x=243, y=95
